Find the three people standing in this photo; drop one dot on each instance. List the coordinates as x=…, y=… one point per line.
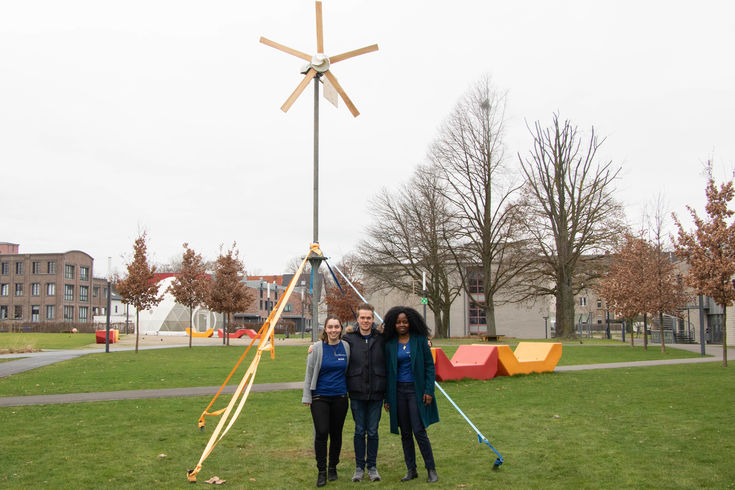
x=395, y=367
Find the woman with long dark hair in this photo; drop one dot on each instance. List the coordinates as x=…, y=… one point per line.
x=325, y=392
x=410, y=391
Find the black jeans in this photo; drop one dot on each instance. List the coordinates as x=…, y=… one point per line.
x=328, y=413
x=409, y=421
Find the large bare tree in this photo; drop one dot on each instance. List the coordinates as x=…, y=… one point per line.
x=469, y=154
x=710, y=249
x=408, y=238
x=191, y=285
x=139, y=288
x=571, y=215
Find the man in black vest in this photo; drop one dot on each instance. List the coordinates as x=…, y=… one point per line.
x=366, y=382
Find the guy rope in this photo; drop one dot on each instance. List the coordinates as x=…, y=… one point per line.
x=266, y=341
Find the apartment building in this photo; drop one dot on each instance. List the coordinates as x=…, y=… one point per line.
x=49, y=287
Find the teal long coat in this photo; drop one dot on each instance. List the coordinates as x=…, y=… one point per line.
x=422, y=367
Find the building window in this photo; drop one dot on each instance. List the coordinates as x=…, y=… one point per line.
x=84, y=273
x=68, y=313
x=68, y=292
x=51, y=267
x=68, y=271
x=583, y=301
x=50, y=312
x=35, y=313
x=19, y=289
x=36, y=267
x=95, y=291
x=18, y=313
x=599, y=303
x=4, y=289
x=50, y=289
x=477, y=315
x=474, y=282
x=83, y=293
x=18, y=268
x=288, y=307
x=82, y=313
x=36, y=289
x=3, y=312
x=115, y=308
x=5, y=268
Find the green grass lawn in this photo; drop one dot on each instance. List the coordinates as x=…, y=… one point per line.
x=652, y=427
x=208, y=366
x=45, y=340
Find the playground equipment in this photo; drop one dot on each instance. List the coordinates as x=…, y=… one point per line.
x=206, y=333
x=99, y=336
x=239, y=333
x=529, y=357
x=469, y=361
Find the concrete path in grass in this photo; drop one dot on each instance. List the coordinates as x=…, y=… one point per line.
x=31, y=361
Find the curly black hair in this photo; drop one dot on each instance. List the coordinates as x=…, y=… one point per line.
x=416, y=324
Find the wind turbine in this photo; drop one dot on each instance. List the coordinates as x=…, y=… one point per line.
x=318, y=65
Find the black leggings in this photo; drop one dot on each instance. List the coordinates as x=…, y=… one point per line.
x=328, y=413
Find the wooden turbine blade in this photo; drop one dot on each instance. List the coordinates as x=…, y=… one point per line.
x=352, y=54
x=342, y=93
x=295, y=95
x=319, y=29
x=285, y=49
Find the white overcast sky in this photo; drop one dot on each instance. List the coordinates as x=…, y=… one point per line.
x=164, y=115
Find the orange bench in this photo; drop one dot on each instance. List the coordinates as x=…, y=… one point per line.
x=529, y=357
x=469, y=361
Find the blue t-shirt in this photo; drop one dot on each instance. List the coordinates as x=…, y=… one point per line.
x=332, y=380
x=404, y=363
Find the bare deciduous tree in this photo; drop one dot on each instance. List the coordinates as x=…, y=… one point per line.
x=666, y=290
x=710, y=249
x=469, y=154
x=408, y=238
x=571, y=215
x=191, y=286
x=139, y=288
x=228, y=293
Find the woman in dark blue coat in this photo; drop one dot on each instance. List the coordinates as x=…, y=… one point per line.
x=410, y=391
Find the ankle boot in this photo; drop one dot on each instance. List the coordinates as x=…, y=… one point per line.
x=433, y=477
x=331, y=473
x=410, y=475
x=321, y=479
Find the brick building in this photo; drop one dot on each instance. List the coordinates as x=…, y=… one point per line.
x=49, y=287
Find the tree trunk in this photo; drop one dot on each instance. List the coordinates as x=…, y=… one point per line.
x=661, y=329
x=645, y=331
x=191, y=329
x=490, y=315
x=724, y=336
x=226, y=328
x=137, y=328
x=565, y=311
x=441, y=321
x=632, y=341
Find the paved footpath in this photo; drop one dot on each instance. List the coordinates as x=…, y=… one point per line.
x=26, y=362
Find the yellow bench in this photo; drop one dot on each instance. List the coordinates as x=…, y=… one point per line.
x=208, y=333
x=529, y=357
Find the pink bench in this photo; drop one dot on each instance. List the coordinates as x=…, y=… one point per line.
x=469, y=361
